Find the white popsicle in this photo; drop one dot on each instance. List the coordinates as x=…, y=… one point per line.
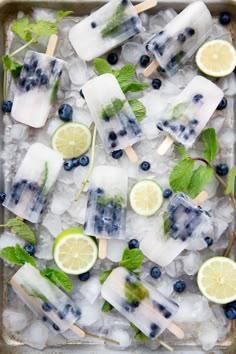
x=35, y=178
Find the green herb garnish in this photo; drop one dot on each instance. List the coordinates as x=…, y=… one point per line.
x=58, y=278
x=54, y=91
x=45, y=178
x=22, y=229
x=135, y=291
x=166, y=223
x=114, y=24
x=17, y=255
x=106, y=307
x=117, y=200
x=112, y=109
x=31, y=292
x=178, y=110
x=132, y=259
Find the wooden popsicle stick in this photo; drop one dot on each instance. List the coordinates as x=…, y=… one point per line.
x=148, y=4
x=150, y=68
x=52, y=43
x=131, y=154
x=77, y=331
x=177, y=331
x=200, y=198
x=102, y=248
x=165, y=145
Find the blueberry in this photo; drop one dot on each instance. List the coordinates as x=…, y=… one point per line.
x=26, y=67
x=222, y=105
x=155, y=272
x=225, y=18
x=112, y=58
x=133, y=244
x=124, y=2
x=117, y=154
x=156, y=84
x=84, y=160
x=222, y=169
x=182, y=128
x=77, y=313
x=99, y=191
x=152, y=334
x=93, y=24
x=188, y=210
x=2, y=197
x=55, y=327
x=194, y=122
x=174, y=228
x=197, y=98
x=6, y=106
x=43, y=79
x=30, y=249
x=128, y=307
x=68, y=165
x=145, y=166
x=76, y=162
x=99, y=224
x=167, y=314
x=179, y=286
x=81, y=93
x=209, y=241
x=65, y=112
x=112, y=136
x=181, y=38
x=167, y=193
x=38, y=72
x=44, y=318
x=144, y=61
x=46, y=307
x=190, y=31
x=22, y=81
x=122, y=132
x=230, y=313
x=84, y=276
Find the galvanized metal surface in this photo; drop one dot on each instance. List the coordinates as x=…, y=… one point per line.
x=8, y=10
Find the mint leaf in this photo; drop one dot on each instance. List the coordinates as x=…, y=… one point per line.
x=231, y=180
x=106, y=307
x=23, y=230
x=62, y=14
x=58, y=278
x=138, y=108
x=181, y=175
x=9, y=254
x=166, y=223
x=178, y=110
x=43, y=28
x=134, y=86
x=135, y=292
x=104, y=275
x=24, y=256
x=208, y=136
x=138, y=335
x=54, y=91
x=11, y=65
x=102, y=66
x=181, y=150
x=125, y=74
x=201, y=176
x=114, y=24
x=31, y=292
x=118, y=200
x=21, y=29
x=112, y=109
x=132, y=259
x=45, y=178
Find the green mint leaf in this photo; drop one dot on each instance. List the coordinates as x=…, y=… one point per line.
x=23, y=230
x=31, y=292
x=102, y=66
x=201, y=176
x=62, y=14
x=21, y=29
x=11, y=65
x=104, y=275
x=116, y=21
x=135, y=292
x=106, y=307
x=231, y=180
x=166, y=223
x=58, y=278
x=9, y=254
x=178, y=110
x=208, y=136
x=132, y=259
x=55, y=88
x=138, y=335
x=134, y=86
x=112, y=109
x=45, y=178
x=126, y=73
x=181, y=150
x=117, y=199
x=43, y=28
x=181, y=175
x=138, y=108
x=24, y=256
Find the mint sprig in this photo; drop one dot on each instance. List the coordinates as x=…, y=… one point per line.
x=132, y=259
x=22, y=229
x=181, y=175
x=139, y=109
x=11, y=65
x=58, y=278
x=20, y=28
x=17, y=255
x=208, y=136
x=200, y=177
x=104, y=275
x=106, y=307
x=113, y=108
x=113, y=25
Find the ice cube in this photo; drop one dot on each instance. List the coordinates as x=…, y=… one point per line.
x=52, y=222
x=8, y=239
x=192, y=262
x=14, y=320
x=227, y=137
x=192, y=308
x=44, y=245
x=91, y=313
x=131, y=52
x=36, y=335
x=198, y=243
x=224, y=209
x=53, y=125
x=121, y=335
x=216, y=123
x=78, y=209
x=83, y=116
x=19, y=132
x=78, y=71
x=207, y=335
x=78, y=176
x=164, y=284
x=61, y=201
x=115, y=249
x=175, y=268
x=145, y=19
x=90, y=289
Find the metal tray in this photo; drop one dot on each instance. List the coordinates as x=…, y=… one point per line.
x=8, y=10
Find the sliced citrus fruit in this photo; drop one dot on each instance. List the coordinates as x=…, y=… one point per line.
x=74, y=252
x=146, y=197
x=217, y=280
x=71, y=140
x=216, y=58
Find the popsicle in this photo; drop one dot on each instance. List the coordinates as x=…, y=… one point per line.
x=106, y=207
x=180, y=38
x=107, y=28
x=112, y=114
x=177, y=225
x=37, y=86
x=186, y=115
x=140, y=303
x=34, y=180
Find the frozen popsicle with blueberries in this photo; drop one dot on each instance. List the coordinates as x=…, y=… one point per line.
x=107, y=28
x=107, y=204
x=145, y=307
x=176, y=226
x=112, y=114
x=37, y=87
x=185, y=116
x=180, y=38
x=34, y=180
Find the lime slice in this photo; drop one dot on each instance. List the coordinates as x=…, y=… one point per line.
x=217, y=280
x=74, y=252
x=216, y=58
x=71, y=140
x=146, y=197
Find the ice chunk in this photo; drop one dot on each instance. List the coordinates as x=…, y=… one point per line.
x=131, y=52
x=227, y=138
x=192, y=308
x=175, y=268
x=52, y=222
x=61, y=202
x=122, y=336
x=78, y=209
x=44, y=246
x=78, y=176
x=91, y=312
x=53, y=125
x=14, y=320
x=19, y=132
x=196, y=244
x=207, y=335
x=36, y=335
x=83, y=116
x=90, y=289
x=192, y=262
x=8, y=239
x=216, y=123
x=78, y=71
x=115, y=249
